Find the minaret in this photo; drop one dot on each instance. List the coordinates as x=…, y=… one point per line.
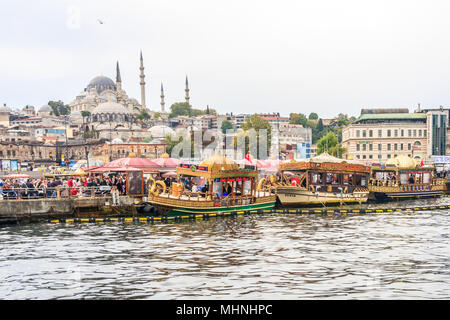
x=142, y=83
x=187, y=90
x=162, y=98
x=118, y=78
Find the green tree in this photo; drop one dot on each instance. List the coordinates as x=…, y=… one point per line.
x=157, y=115
x=320, y=125
x=313, y=116
x=180, y=109
x=298, y=118
x=257, y=123
x=334, y=148
x=85, y=113
x=226, y=125
x=143, y=115
x=59, y=108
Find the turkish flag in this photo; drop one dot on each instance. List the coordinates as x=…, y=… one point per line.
x=421, y=163
x=295, y=181
x=247, y=157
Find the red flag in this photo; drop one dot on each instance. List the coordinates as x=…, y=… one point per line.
x=421, y=163
x=247, y=157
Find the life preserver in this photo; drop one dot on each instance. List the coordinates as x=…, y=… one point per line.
x=156, y=191
x=260, y=183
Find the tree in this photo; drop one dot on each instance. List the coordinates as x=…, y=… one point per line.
x=313, y=116
x=143, y=115
x=59, y=108
x=320, y=125
x=85, y=113
x=334, y=148
x=257, y=123
x=298, y=118
x=156, y=115
x=226, y=125
x=180, y=109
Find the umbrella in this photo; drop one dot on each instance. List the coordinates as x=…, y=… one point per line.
x=79, y=172
x=116, y=169
x=169, y=174
x=140, y=163
x=16, y=176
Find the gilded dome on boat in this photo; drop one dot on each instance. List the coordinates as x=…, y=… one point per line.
x=219, y=162
x=165, y=156
x=402, y=162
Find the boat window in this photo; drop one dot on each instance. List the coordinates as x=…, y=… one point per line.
x=332, y=178
x=426, y=177
x=403, y=178
x=363, y=181
x=247, y=187
x=316, y=178
x=345, y=179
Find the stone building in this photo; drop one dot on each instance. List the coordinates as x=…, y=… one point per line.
x=102, y=89
x=381, y=134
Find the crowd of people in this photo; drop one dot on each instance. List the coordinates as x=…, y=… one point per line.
x=29, y=188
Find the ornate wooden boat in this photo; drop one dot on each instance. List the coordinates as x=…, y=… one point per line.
x=402, y=177
x=223, y=187
x=323, y=179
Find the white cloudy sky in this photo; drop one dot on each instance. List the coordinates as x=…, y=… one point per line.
x=325, y=56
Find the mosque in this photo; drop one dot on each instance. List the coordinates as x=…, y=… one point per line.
x=102, y=89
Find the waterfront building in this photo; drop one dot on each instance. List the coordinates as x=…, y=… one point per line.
x=118, y=149
x=381, y=134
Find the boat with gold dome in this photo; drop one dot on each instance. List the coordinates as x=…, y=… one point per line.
x=215, y=185
x=323, y=179
x=403, y=177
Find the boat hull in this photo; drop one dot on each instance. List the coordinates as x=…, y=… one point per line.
x=405, y=192
x=292, y=196
x=180, y=208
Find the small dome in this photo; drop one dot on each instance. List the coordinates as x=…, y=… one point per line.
x=160, y=131
x=219, y=162
x=4, y=108
x=45, y=108
x=110, y=107
x=101, y=83
x=402, y=162
x=165, y=156
x=132, y=155
x=117, y=141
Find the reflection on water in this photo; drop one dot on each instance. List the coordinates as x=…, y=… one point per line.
x=388, y=255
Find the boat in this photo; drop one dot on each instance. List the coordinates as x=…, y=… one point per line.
x=401, y=177
x=321, y=180
x=220, y=186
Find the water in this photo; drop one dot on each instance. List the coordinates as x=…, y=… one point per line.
x=385, y=255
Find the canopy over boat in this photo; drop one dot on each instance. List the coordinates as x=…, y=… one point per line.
x=217, y=166
x=402, y=162
x=326, y=162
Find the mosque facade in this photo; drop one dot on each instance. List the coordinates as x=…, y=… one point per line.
x=102, y=89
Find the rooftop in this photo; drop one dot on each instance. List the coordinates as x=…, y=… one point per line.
x=392, y=116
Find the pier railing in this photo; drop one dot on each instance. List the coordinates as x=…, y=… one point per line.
x=59, y=192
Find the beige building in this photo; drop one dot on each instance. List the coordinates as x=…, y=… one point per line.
x=381, y=134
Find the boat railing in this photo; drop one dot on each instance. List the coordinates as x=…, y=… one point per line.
x=54, y=192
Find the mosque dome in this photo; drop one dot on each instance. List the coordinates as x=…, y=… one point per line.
x=117, y=141
x=110, y=107
x=402, y=162
x=160, y=131
x=4, y=108
x=45, y=108
x=101, y=83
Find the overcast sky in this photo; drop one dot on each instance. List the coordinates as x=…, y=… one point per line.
x=325, y=56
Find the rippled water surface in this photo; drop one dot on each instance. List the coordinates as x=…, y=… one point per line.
x=389, y=255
